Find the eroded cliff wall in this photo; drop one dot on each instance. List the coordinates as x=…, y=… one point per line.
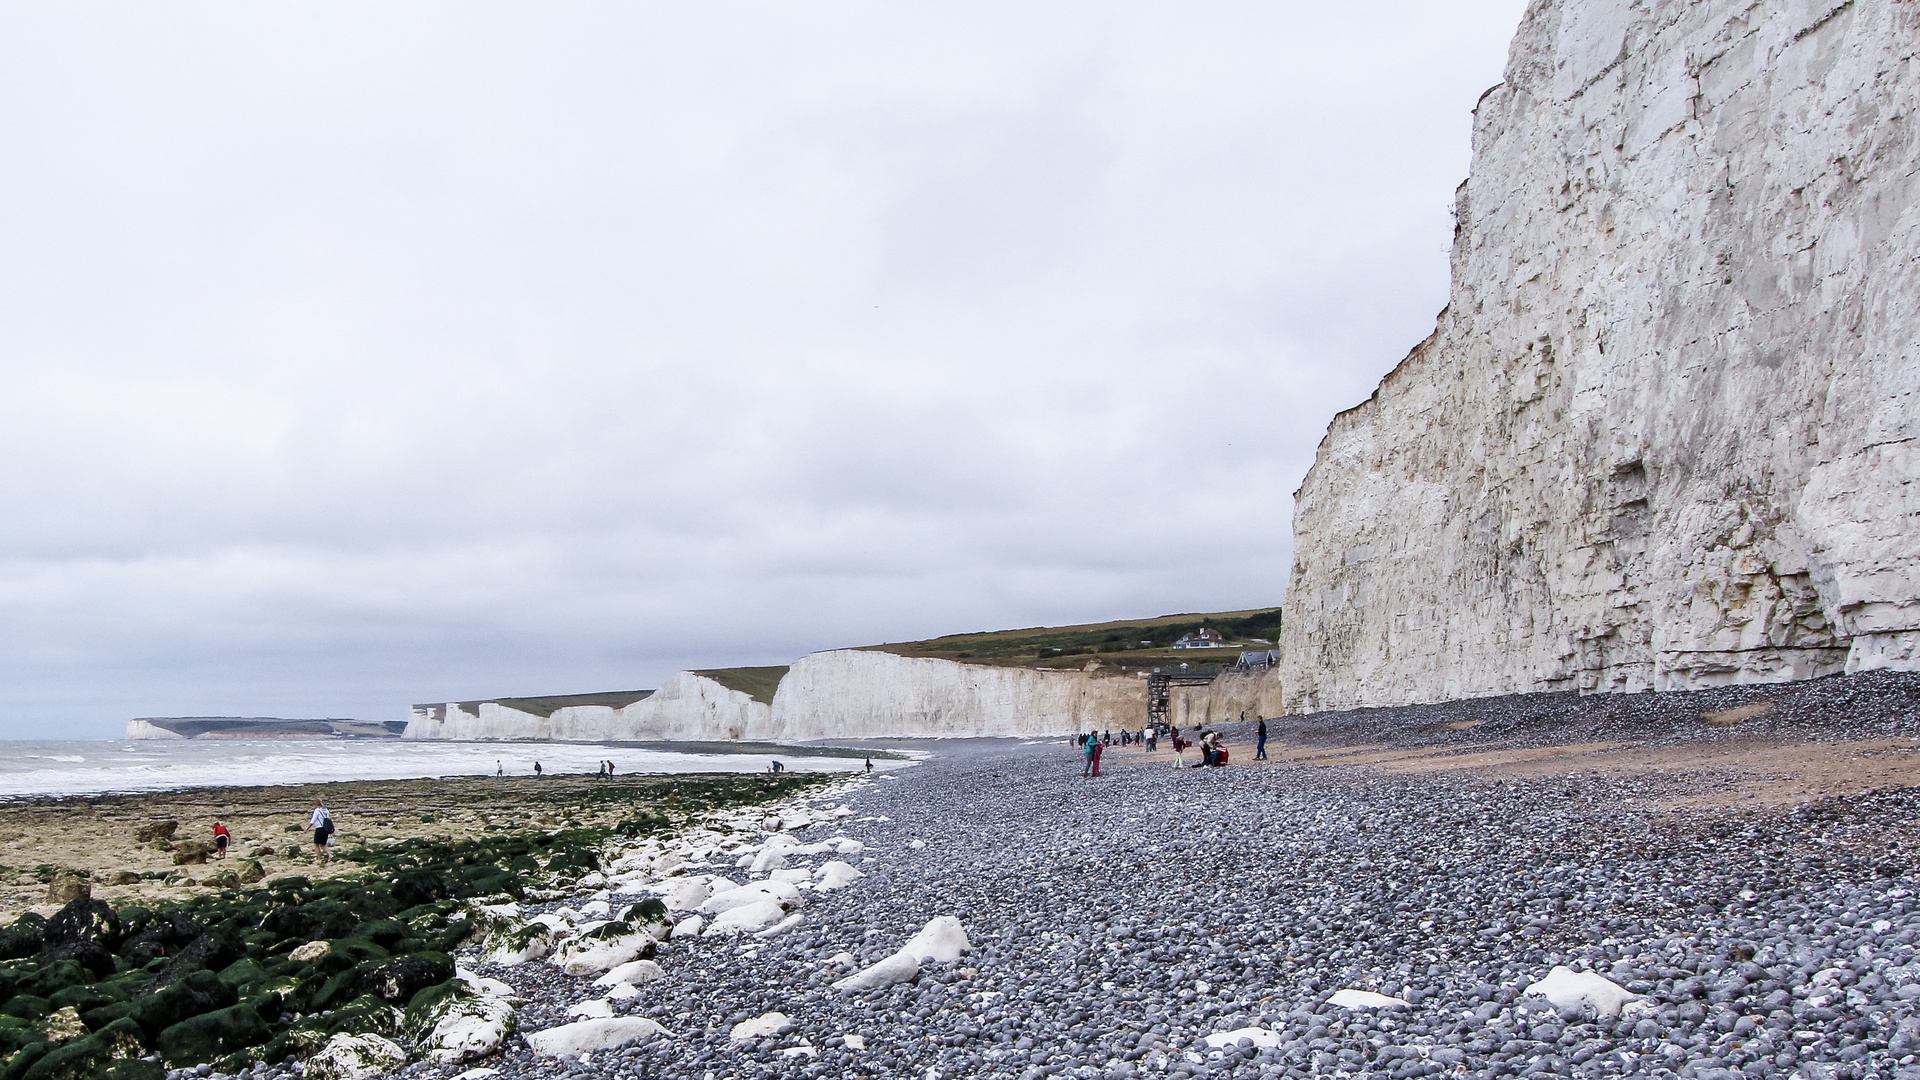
x=857, y=693
x=1664, y=434
x=687, y=706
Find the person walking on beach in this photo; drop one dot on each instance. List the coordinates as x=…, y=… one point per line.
x=869, y=766
x=1099, y=748
x=536, y=770
x=322, y=825
x=1260, y=749
x=1179, y=750
x=220, y=839
x=1153, y=739
x=499, y=769
x=1093, y=741
x=609, y=768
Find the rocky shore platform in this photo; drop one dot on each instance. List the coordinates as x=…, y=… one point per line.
x=1665, y=885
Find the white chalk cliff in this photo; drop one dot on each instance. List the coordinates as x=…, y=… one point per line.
x=855, y=693
x=841, y=694
x=687, y=706
x=1667, y=430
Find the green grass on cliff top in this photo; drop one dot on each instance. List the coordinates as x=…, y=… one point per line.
x=1131, y=643
x=758, y=683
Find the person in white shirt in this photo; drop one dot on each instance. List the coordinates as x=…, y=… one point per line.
x=322, y=823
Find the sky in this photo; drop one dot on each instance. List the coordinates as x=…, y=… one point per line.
x=354, y=355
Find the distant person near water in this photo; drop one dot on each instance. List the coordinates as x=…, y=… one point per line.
x=499, y=769
x=869, y=766
x=221, y=837
x=776, y=767
x=322, y=825
x=536, y=769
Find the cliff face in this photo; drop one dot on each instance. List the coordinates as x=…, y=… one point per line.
x=1666, y=430
x=854, y=693
x=687, y=706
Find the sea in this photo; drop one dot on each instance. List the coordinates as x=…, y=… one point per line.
x=31, y=768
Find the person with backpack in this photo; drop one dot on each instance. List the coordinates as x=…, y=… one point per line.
x=322, y=824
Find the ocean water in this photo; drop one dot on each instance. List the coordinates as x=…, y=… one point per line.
x=99, y=766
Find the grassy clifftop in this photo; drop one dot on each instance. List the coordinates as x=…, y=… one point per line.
x=1129, y=643
x=758, y=683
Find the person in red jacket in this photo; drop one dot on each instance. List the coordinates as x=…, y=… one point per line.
x=221, y=837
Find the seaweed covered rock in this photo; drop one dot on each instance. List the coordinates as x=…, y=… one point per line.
x=398, y=980
x=452, y=1025
x=24, y=938
x=80, y=1058
x=355, y=1057
x=411, y=888
x=85, y=920
x=130, y=1069
x=97, y=961
x=215, y=949
x=209, y=1035
x=151, y=935
x=199, y=993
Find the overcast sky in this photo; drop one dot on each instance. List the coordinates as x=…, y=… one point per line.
x=356, y=355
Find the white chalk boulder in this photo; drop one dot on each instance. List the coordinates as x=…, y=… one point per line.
x=687, y=894
x=760, y=1027
x=1565, y=988
x=595, y=956
x=752, y=916
x=632, y=973
x=689, y=927
x=941, y=941
x=465, y=1028
x=595, y=1009
x=1260, y=1037
x=586, y=1036
x=1366, y=999
x=355, y=1057
x=835, y=875
x=895, y=969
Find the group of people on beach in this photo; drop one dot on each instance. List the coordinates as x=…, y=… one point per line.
x=1212, y=749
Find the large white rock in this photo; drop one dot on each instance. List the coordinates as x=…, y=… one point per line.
x=355, y=1057
x=835, y=875
x=594, y=956
x=1565, y=988
x=941, y=941
x=781, y=892
x=752, y=916
x=896, y=968
x=1260, y=1037
x=759, y=1027
x=634, y=973
x=586, y=1036
x=687, y=894
x=1366, y=999
x=1666, y=431
x=591, y=1009
x=466, y=1028
x=689, y=927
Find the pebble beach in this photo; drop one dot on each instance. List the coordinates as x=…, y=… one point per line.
x=1303, y=916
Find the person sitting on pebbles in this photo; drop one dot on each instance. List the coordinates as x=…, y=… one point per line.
x=221, y=837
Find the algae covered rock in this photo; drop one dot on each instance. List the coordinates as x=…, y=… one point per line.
x=452, y=1025
x=84, y=920
x=209, y=1035
x=64, y=1025
x=399, y=979
x=355, y=1057
x=82, y=1057
x=199, y=993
